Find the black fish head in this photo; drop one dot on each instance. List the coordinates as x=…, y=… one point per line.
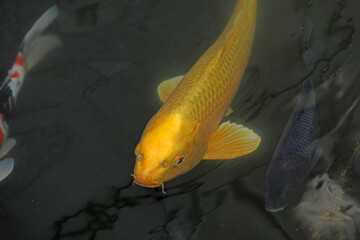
x=281, y=184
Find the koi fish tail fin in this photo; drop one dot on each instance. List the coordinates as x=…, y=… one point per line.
x=305, y=44
x=6, y=167
x=41, y=24
x=306, y=54
x=42, y=46
x=34, y=46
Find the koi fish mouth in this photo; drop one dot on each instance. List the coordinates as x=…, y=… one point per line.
x=145, y=183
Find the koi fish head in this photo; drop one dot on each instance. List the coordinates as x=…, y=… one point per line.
x=282, y=184
x=168, y=148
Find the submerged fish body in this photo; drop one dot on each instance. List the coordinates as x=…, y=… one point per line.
x=186, y=128
x=33, y=48
x=327, y=209
x=326, y=212
x=350, y=175
x=172, y=226
x=293, y=157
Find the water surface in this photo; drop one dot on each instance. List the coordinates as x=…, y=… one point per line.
x=81, y=112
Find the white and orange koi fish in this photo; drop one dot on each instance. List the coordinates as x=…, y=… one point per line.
x=33, y=48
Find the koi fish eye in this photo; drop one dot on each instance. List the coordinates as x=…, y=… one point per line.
x=180, y=161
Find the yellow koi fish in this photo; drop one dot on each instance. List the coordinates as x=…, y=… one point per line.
x=186, y=128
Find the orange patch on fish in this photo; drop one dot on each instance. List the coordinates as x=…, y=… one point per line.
x=19, y=60
x=15, y=74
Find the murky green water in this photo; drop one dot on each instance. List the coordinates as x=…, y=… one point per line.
x=82, y=110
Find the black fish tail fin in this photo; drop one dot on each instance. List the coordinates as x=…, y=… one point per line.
x=305, y=43
x=306, y=54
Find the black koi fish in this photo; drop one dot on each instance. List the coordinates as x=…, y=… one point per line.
x=294, y=156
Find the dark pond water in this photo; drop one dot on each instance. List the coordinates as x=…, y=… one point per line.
x=80, y=114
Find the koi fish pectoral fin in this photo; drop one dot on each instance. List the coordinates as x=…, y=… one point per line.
x=6, y=167
x=167, y=87
x=7, y=164
x=231, y=140
x=7, y=145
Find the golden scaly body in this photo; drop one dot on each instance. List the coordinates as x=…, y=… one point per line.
x=206, y=91
x=184, y=130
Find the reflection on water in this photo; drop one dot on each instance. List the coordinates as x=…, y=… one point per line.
x=81, y=111
x=95, y=217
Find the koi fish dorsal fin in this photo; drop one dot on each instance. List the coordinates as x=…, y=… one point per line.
x=231, y=140
x=167, y=87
